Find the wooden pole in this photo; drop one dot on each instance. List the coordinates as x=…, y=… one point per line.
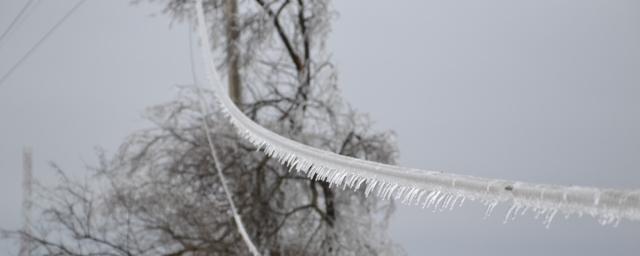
x=233, y=53
x=27, y=169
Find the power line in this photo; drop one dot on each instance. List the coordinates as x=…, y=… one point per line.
x=205, y=110
x=436, y=189
x=42, y=40
x=21, y=21
x=15, y=19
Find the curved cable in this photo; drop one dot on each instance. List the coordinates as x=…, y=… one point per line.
x=420, y=187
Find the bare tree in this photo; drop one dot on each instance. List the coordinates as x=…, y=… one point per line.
x=160, y=195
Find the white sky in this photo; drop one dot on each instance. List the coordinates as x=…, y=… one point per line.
x=542, y=91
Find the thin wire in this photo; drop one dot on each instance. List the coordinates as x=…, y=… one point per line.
x=22, y=20
x=42, y=40
x=191, y=60
x=15, y=20
x=206, y=110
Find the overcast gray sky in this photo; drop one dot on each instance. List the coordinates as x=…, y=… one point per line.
x=541, y=91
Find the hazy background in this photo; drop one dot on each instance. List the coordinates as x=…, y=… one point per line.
x=541, y=91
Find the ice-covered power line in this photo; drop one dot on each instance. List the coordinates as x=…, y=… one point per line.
x=205, y=110
x=40, y=41
x=430, y=189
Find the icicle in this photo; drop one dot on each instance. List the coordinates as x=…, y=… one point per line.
x=436, y=206
x=490, y=206
x=453, y=203
x=511, y=210
x=549, y=217
x=433, y=199
x=615, y=225
x=516, y=212
x=400, y=192
x=462, y=201
x=390, y=192
x=361, y=180
x=446, y=203
x=409, y=196
x=382, y=189
x=428, y=198
x=370, y=187
x=540, y=212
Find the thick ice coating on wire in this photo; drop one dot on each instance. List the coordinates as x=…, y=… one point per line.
x=428, y=189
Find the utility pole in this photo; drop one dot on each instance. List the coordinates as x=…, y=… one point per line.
x=27, y=169
x=233, y=54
